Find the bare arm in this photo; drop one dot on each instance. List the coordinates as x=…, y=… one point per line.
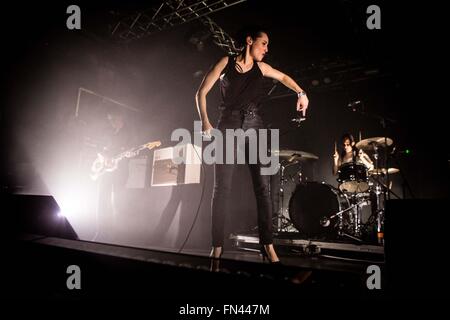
x=268, y=71
x=336, y=163
x=365, y=159
x=336, y=160
x=200, y=97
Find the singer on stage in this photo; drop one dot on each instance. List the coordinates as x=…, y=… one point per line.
x=241, y=80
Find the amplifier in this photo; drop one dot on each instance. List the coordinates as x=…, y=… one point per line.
x=167, y=173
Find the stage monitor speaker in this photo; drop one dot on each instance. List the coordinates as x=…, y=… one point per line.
x=36, y=214
x=416, y=239
x=167, y=173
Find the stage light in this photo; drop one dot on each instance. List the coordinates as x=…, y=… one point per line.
x=70, y=204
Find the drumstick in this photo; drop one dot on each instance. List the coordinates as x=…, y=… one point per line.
x=335, y=147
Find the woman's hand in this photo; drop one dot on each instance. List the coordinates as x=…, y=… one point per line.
x=336, y=157
x=302, y=104
x=206, y=128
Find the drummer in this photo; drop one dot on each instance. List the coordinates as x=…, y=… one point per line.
x=350, y=154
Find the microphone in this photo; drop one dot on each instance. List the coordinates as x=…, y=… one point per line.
x=354, y=104
x=299, y=119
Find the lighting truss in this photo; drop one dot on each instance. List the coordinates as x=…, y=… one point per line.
x=169, y=14
x=221, y=38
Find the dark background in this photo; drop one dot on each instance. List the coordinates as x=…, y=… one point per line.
x=45, y=64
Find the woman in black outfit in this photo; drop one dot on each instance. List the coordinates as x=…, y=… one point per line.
x=241, y=79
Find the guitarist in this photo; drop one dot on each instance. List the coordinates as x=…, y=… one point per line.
x=119, y=137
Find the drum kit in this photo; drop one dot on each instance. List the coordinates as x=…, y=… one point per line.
x=354, y=210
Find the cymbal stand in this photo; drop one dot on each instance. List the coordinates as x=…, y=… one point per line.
x=380, y=217
x=380, y=184
x=379, y=192
x=384, y=124
x=387, y=192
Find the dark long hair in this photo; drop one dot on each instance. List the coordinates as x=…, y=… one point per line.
x=344, y=137
x=248, y=31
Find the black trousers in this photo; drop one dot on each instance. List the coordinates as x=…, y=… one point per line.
x=111, y=198
x=223, y=177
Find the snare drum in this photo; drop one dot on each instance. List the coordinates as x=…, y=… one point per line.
x=353, y=177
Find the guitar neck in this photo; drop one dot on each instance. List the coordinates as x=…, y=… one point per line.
x=135, y=149
x=122, y=155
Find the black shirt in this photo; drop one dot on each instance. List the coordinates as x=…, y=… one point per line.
x=240, y=90
x=118, y=142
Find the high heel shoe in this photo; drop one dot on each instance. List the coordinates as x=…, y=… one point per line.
x=266, y=256
x=215, y=260
x=211, y=254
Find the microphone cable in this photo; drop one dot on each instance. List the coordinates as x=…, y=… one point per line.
x=203, y=173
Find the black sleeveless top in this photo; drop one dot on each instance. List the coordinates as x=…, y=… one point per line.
x=240, y=90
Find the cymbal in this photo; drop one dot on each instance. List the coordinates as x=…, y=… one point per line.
x=383, y=171
x=295, y=155
x=370, y=143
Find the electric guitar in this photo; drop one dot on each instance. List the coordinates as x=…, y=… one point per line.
x=102, y=164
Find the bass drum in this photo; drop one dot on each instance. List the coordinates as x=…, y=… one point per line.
x=310, y=202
